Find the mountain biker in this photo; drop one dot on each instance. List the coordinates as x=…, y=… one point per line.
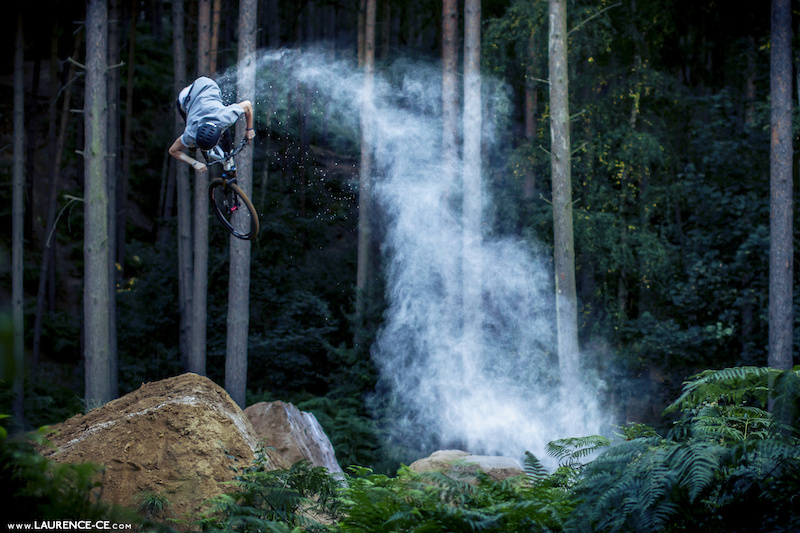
x=207, y=119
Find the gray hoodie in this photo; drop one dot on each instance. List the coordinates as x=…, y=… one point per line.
x=202, y=102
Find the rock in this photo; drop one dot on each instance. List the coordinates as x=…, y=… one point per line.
x=177, y=438
x=296, y=435
x=463, y=465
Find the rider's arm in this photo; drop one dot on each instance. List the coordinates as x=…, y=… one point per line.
x=176, y=151
x=248, y=115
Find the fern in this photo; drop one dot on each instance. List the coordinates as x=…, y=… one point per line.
x=696, y=466
x=275, y=500
x=534, y=469
x=571, y=451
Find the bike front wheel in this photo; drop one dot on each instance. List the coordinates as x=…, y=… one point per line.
x=233, y=208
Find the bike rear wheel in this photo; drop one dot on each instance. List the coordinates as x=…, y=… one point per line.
x=233, y=208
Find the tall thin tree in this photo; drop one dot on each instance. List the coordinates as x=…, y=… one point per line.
x=213, y=49
x=113, y=162
x=781, y=249
x=95, y=245
x=472, y=186
x=239, y=272
x=127, y=141
x=561, y=171
x=197, y=351
x=184, y=191
x=450, y=138
x=17, y=225
x=365, y=175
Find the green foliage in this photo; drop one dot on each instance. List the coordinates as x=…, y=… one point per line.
x=572, y=451
x=152, y=503
x=723, y=455
x=36, y=487
x=276, y=500
x=436, y=502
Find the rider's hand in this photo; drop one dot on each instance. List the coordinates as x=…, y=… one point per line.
x=198, y=166
x=250, y=134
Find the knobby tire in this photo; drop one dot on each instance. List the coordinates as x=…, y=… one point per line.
x=217, y=193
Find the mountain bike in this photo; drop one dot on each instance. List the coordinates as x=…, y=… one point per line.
x=231, y=205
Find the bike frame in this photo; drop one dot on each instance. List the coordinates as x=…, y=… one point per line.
x=218, y=155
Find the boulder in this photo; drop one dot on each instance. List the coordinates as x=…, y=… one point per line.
x=459, y=464
x=296, y=435
x=177, y=438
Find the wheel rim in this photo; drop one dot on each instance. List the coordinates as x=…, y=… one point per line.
x=234, y=210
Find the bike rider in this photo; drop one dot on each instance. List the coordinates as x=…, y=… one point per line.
x=207, y=119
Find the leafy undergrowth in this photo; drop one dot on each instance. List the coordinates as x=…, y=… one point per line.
x=731, y=462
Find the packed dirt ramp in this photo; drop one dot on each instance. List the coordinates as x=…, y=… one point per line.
x=178, y=438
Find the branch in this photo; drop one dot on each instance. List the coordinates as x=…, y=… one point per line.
x=576, y=115
x=72, y=200
x=78, y=75
x=539, y=79
x=79, y=65
x=593, y=16
x=578, y=148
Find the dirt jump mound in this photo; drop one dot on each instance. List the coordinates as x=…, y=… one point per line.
x=177, y=438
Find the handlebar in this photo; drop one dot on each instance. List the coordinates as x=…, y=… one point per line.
x=215, y=152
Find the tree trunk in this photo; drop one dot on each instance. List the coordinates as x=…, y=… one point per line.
x=122, y=185
x=365, y=176
x=197, y=352
x=362, y=29
x=531, y=102
x=781, y=248
x=213, y=51
x=450, y=87
x=471, y=172
x=204, y=38
x=17, y=225
x=184, y=192
x=96, y=251
x=450, y=142
x=113, y=165
x=239, y=272
x=564, y=248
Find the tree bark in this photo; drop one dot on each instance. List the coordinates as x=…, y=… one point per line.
x=96, y=251
x=239, y=272
x=365, y=176
x=213, y=51
x=531, y=103
x=362, y=29
x=17, y=225
x=197, y=357
x=471, y=172
x=564, y=248
x=184, y=192
x=122, y=185
x=450, y=143
x=113, y=165
x=781, y=248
